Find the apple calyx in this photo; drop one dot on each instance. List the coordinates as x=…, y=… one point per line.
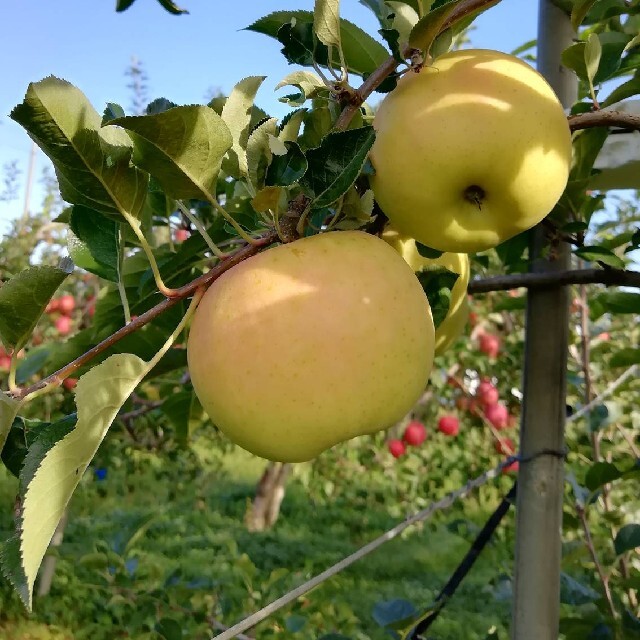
x=475, y=195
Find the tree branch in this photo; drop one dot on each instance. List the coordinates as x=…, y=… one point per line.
x=607, y=277
x=179, y=294
x=603, y=118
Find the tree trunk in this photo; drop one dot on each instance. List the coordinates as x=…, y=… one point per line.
x=536, y=602
x=270, y=492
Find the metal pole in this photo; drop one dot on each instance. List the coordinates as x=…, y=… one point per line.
x=536, y=601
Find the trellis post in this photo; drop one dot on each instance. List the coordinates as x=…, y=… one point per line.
x=540, y=487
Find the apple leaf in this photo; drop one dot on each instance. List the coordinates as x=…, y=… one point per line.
x=182, y=148
x=310, y=85
x=336, y=163
x=286, y=169
x=431, y=25
x=259, y=154
x=24, y=297
x=98, y=237
x=290, y=126
x=22, y=435
x=57, y=459
x=619, y=301
x=628, y=538
x=92, y=162
x=404, y=19
x=427, y=252
x=625, y=358
x=362, y=53
x=579, y=12
x=592, y=55
x=437, y=284
x=169, y=5
x=601, y=255
x=326, y=22
x=8, y=410
x=237, y=113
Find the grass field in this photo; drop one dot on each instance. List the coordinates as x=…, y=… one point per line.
x=155, y=541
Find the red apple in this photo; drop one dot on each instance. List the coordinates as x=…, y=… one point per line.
x=505, y=446
x=473, y=319
x=181, y=235
x=497, y=415
x=415, y=433
x=489, y=344
x=513, y=467
x=54, y=305
x=66, y=304
x=396, y=448
x=604, y=336
x=486, y=393
x=69, y=383
x=63, y=325
x=5, y=362
x=449, y=425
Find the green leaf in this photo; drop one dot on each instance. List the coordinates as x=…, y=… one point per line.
x=169, y=629
x=123, y=5
x=427, y=252
x=622, y=92
x=326, y=22
x=237, y=113
x=336, y=163
x=586, y=147
x=182, y=148
x=393, y=611
x=404, y=19
x=579, y=11
x=625, y=358
x=601, y=255
x=437, y=284
x=177, y=408
x=33, y=363
x=628, y=538
x=8, y=410
x=111, y=112
x=601, y=473
x=575, y=593
x=310, y=85
x=22, y=435
x=24, y=297
x=433, y=23
x=259, y=153
x=171, y=7
x=286, y=169
x=99, y=237
x=92, y=162
x=362, y=53
x=619, y=301
x=57, y=460
x=592, y=54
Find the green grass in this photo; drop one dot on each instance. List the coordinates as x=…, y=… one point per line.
x=191, y=557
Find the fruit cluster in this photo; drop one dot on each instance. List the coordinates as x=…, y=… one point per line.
x=331, y=336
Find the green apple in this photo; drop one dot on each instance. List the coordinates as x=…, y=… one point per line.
x=470, y=151
x=311, y=343
x=456, y=319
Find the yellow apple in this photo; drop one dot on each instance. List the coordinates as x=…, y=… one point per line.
x=456, y=319
x=311, y=343
x=470, y=151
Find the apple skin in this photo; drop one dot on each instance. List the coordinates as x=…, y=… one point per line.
x=66, y=304
x=456, y=319
x=63, y=325
x=471, y=151
x=489, y=344
x=497, y=415
x=311, y=343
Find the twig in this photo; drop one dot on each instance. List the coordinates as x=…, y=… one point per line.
x=607, y=392
x=444, y=503
x=604, y=118
x=179, y=294
x=607, y=277
x=594, y=556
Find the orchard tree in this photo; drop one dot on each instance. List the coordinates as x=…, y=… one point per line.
x=468, y=166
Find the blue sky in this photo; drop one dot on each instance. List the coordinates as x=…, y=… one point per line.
x=89, y=44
